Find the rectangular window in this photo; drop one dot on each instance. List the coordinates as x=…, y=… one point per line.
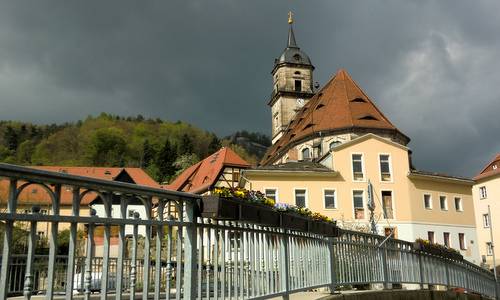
x=300, y=198
x=486, y=221
x=298, y=85
x=329, y=196
x=458, y=204
x=427, y=201
x=489, y=249
x=482, y=192
x=430, y=236
x=358, y=202
x=461, y=241
x=446, y=239
x=443, y=202
x=387, y=204
x=271, y=193
x=385, y=168
x=357, y=167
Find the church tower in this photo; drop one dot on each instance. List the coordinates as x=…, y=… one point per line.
x=292, y=84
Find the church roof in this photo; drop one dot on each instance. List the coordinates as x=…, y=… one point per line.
x=491, y=169
x=340, y=106
x=204, y=174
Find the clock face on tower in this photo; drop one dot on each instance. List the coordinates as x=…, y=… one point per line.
x=300, y=102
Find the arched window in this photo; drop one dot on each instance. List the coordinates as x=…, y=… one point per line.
x=306, y=154
x=334, y=144
x=297, y=73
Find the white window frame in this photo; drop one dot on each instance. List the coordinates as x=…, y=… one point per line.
x=390, y=168
x=465, y=241
x=461, y=209
x=433, y=236
x=483, y=192
x=486, y=221
x=335, y=198
x=365, y=209
x=489, y=249
x=302, y=152
x=393, y=201
x=445, y=203
x=430, y=201
x=272, y=188
x=362, y=166
x=306, y=200
x=449, y=239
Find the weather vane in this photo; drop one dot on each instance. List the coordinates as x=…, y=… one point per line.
x=290, y=17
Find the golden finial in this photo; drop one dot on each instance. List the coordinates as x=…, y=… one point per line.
x=290, y=17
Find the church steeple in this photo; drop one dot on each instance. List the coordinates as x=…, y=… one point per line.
x=292, y=83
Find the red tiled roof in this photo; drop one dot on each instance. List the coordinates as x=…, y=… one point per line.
x=491, y=169
x=35, y=194
x=202, y=175
x=339, y=105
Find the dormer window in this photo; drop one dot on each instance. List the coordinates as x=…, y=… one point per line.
x=306, y=154
x=297, y=57
x=358, y=99
x=367, y=117
x=334, y=144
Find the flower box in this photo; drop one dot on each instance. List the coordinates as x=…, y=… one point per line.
x=323, y=228
x=219, y=208
x=234, y=209
x=293, y=221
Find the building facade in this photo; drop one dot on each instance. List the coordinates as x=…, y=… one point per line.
x=486, y=193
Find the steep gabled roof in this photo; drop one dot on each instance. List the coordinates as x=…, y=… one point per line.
x=339, y=106
x=204, y=174
x=491, y=169
x=34, y=194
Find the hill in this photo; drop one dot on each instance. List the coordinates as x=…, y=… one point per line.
x=162, y=148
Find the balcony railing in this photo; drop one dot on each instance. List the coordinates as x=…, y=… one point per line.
x=182, y=255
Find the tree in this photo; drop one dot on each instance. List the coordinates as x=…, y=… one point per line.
x=186, y=146
x=107, y=147
x=148, y=154
x=165, y=162
x=11, y=138
x=25, y=151
x=215, y=144
x=185, y=161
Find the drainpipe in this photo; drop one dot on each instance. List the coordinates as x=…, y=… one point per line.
x=497, y=292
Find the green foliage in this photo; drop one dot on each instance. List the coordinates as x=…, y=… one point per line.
x=110, y=140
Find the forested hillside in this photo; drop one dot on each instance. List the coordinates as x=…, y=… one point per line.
x=162, y=148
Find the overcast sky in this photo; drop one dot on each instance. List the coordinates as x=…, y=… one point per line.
x=433, y=67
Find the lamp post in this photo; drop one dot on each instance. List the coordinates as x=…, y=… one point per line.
x=492, y=245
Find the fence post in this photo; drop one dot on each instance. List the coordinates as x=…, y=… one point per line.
x=385, y=267
x=421, y=267
x=333, y=266
x=7, y=240
x=447, y=269
x=285, y=258
x=190, y=274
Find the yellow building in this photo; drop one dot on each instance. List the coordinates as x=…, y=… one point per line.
x=486, y=192
x=328, y=147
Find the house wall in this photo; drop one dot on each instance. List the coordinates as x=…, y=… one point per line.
x=410, y=218
x=492, y=185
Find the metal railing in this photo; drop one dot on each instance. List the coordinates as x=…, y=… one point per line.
x=186, y=257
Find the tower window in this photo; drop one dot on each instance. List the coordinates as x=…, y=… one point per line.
x=298, y=85
x=297, y=73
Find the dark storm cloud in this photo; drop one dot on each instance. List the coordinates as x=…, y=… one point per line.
x=431, y=66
